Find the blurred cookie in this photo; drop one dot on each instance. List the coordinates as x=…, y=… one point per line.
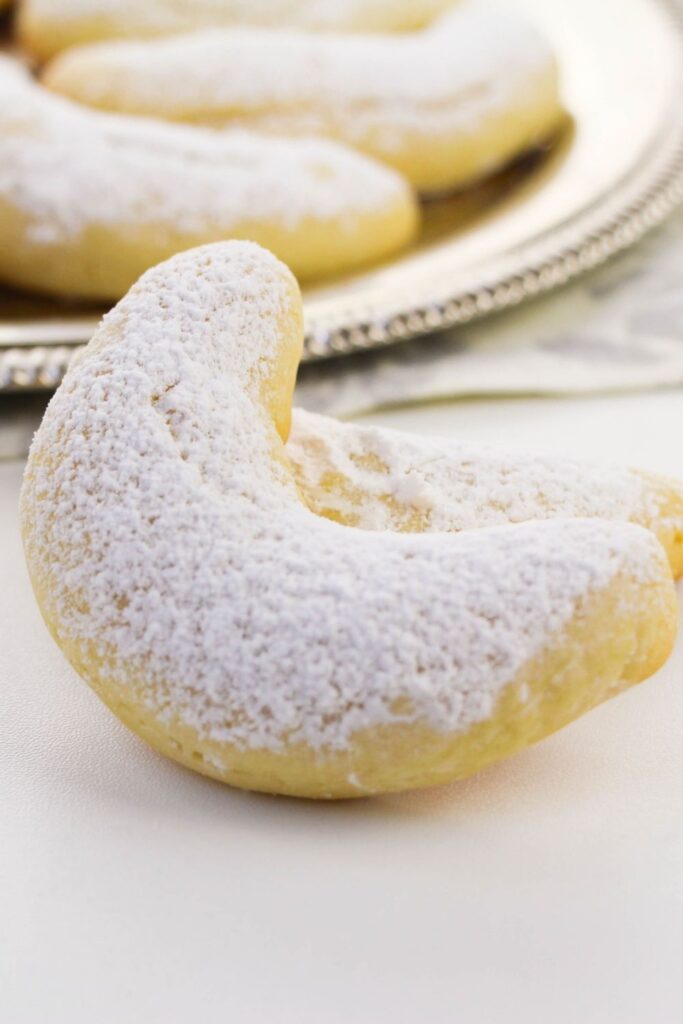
x=48, y=26
x=444, y=106
x=88, y=201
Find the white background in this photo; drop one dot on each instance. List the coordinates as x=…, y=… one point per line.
x=548, y=889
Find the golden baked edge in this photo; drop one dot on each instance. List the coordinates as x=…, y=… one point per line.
x=577, y=671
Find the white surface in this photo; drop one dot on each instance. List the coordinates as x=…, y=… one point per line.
x=548, y=889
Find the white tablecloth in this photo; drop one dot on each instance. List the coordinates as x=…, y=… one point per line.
x=548, y=889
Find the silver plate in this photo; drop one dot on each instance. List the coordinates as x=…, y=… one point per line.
x=616, y=172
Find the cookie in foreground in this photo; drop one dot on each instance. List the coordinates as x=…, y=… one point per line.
x=180, y=565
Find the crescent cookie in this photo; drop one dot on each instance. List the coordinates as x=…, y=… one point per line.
x=47, y=26
x=444, y=106
x=181, y=569
x=88, y=201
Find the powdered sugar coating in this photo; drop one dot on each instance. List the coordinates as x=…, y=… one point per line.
x=68, y=168
x=467, y=67
x=380, y=479
x=165, y=530
x=70, y=20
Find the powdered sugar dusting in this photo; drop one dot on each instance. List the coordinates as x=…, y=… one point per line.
x=382, y=479
x=128, y=17
x=165, y=526
x=470, y=65
x=68, y=168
